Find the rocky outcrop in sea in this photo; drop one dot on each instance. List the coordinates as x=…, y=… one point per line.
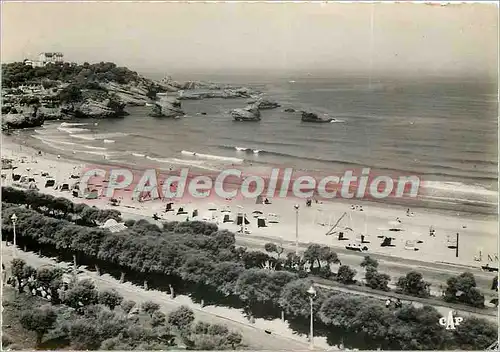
x=166, y=107
x=248, y=113
x=313, y=117
x=264, y=104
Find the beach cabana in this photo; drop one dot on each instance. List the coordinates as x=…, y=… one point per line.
x=239, y=219
x=261, y=222
x=50, y=183
x=168, y=207
x=227, y=218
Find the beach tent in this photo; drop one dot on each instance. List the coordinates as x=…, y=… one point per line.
x=114, y=202
x=24, y=179
x=75, y=193
x=33, y=186
x=226, y=210
x=212, y=207
x=195, y=213
x=16, y=177
x=31, y=179
x=261, y=222
x=93, y=194
x=50, y=183
x=74, y=176
x=239, y=219
x=387, y=242
x=45, y=174
x=258, y=200
x=64, y=187
x=169, y=207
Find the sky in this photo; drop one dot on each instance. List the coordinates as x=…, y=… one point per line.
x=384, y=37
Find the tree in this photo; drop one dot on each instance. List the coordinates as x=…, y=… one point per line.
x=462, y=288
x=294, y=298
x=81, y=294
x=39, y=320
x=413, y=284
x=376, y=280
x=21, y=272
x=150, y=307
x=110, y=298
x=345, y=274
x=270, y=247
x=158, y=319
x=84, y=335
x=127, y=306
x=261, y=285
x=181, y=318
x=234, y=339
x=369, y=262
x=475, y=334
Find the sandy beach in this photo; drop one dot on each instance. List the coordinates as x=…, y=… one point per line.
x=477, y=233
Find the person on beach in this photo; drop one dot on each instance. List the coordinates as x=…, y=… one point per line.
x=388, y=303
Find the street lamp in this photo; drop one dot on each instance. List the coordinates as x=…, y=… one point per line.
x=296, y=206
x=14, y=220
x=312, y=293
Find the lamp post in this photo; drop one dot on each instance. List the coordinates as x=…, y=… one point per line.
x=312, y=293
x=14, y=220
x=296, y=206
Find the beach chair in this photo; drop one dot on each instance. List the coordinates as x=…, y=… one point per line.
x=273, y=218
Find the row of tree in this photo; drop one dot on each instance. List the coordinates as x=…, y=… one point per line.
x=197, y=252
x=59, y=207
x=104, y=320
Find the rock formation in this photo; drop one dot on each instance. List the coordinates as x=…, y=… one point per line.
x=166, y=107
x=248, y=113
x=263, y=104
x=24, y=119
x=312, y=117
